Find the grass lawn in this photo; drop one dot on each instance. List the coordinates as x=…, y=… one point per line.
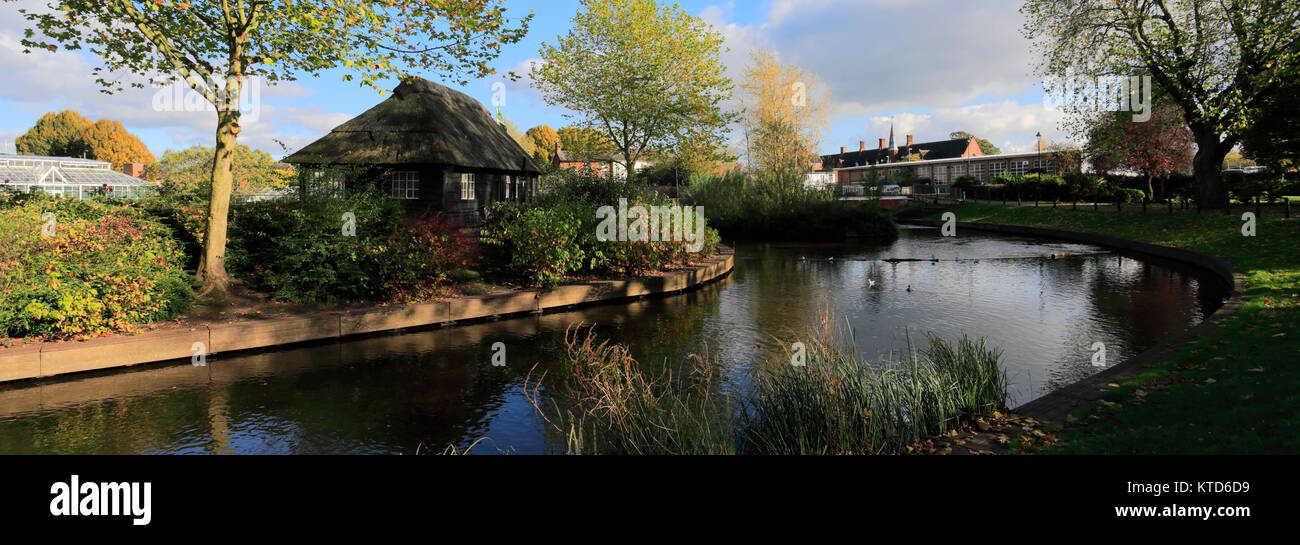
x=1238, y=392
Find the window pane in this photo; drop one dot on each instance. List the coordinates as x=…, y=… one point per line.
x=467, y=187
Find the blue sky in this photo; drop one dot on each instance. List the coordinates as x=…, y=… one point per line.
x=933, y=66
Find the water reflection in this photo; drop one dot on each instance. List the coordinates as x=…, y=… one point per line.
x=427, y=389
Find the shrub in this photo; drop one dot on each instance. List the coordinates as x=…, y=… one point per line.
x=297, y=250
x=1080, y=186
x=537, y=243
x=776, y=206
x=107, y=268
x=426, y=252
x=544, y=243
x=1126, y=195
x=967, y=183
x=572, y=186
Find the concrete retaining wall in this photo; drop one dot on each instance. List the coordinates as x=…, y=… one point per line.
x=50, y=359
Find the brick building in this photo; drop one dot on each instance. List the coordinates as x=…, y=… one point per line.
x=930, y=165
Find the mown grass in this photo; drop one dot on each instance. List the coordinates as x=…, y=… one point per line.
x=834, y=403
x=1235, y=392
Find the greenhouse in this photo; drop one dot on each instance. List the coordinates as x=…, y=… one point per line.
x=68, y=177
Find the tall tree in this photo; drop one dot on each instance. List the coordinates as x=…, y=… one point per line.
x=1273, y=136
x=55, y=135
x=1158, y=147
x=519, y=137
x=986, y=147
x=108, y=140
x=646, y=76
x=214, y=46
x=544, y=140
x=1215, y=58
x=785, y=113
x=585, y=143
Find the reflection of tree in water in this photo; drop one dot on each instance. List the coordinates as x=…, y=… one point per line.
x=788, y=294
x=391, y=393
x=1131, y=306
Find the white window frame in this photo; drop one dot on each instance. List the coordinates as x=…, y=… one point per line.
x=467, y=192
x=977, y=170
x=332, y=184
x=404, y=185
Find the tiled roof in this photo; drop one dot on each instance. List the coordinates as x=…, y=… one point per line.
x=929, y=151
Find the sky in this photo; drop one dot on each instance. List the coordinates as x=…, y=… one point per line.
x=930, y=66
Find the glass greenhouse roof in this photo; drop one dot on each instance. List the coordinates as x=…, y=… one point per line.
x=64, y=175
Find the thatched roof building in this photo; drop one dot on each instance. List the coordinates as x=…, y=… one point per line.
x=434, y=147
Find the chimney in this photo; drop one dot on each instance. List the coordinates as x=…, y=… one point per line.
x=1042, y=145
x=862, y=145
x=133, y=169
x=882, y=143
x=843, y=150
x=909, y=140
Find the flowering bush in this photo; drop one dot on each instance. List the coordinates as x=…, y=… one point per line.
x=424, y=254
x=96, y=268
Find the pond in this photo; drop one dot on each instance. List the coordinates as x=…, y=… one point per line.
x=423, y=390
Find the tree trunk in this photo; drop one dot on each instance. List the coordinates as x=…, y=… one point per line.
x=1208, y=168
x=212, y=265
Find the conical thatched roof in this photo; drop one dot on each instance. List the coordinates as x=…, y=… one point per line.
x=422, y=123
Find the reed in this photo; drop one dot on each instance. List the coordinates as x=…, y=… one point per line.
x=605, y=403
x=837, y=403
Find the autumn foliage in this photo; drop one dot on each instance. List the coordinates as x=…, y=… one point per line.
x=96, y=268
x=69, y=134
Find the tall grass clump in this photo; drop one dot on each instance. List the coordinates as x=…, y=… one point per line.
x=840, y=403
x=837, y=403
x=605, y=403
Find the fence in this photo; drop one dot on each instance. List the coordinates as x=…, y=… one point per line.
x=1261, y=209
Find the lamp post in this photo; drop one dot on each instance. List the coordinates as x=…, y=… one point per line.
x=1038, y=163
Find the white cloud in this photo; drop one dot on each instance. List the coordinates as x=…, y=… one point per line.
x=314, y=119
x=880, y=57
x=1001, y=122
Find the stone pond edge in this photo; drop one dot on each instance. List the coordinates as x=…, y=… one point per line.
x=41, y=360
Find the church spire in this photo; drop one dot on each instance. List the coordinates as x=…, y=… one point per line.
x=891, y=134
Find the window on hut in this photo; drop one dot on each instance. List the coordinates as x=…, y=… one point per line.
x=328, y=183
x=466, y=187
x=405, y=185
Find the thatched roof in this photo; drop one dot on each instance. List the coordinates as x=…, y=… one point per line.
x=422, y=123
